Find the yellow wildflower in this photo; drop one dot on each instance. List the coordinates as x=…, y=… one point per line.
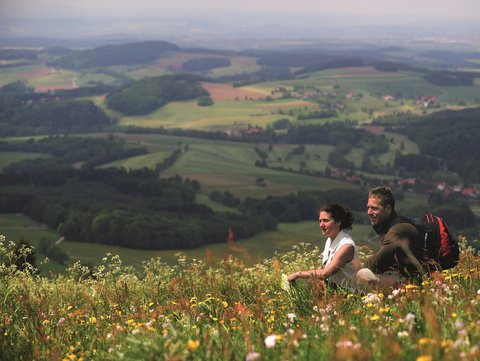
x=193, y=344
x=92, y=320
x=446, y=343
x=374, y=318
x=426, y=341
x=424, y=358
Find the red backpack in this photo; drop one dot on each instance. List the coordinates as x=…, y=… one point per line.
x=438, y=241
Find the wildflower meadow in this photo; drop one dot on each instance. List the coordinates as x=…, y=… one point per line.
x=229, y=311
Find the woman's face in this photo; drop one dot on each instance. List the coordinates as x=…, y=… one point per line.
x=328, y=226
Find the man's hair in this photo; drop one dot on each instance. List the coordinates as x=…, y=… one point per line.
x=339, y=214
x=385, y=195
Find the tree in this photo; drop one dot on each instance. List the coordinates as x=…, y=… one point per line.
x=205, y=101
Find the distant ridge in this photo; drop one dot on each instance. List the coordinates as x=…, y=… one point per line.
x=45, y=42
x=122, y=54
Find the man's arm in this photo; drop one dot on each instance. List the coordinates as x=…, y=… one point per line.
x=395, y=252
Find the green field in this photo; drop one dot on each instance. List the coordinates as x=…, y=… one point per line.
x=7, y=158
x=230, y=166
x=174, y=60
x=360, y=89
x=221, y=115
x=12, y=74
x=149, y=160
x=261, y=246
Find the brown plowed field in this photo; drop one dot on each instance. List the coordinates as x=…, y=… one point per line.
x=228, y=92
x=36, y=73
x=375, y=129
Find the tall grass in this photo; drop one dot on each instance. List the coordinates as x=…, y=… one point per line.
x=227, y=311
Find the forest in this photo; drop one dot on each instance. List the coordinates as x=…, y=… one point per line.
x=21, y=115
x=448, y=139
x=132, y=209
x=145, y=95
x=130, y=53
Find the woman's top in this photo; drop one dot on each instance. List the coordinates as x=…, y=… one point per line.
x=345, y=276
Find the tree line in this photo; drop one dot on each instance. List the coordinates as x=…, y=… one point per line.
x=108, y=55
x=450, y=137
x=50, y=117
x=204, y=64
x=145, y=95
x=133, y=208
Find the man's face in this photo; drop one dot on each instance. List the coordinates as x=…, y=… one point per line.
x=377, y=212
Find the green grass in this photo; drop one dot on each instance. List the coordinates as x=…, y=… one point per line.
x=230, y=167
x=147, y=160
x=7, y=158
x=216, y=207
x=223, y=309
x=87, y=79
x=221, y=115
x=315, y=157
x=402, y=143
x=58, y=79
x=12, y=74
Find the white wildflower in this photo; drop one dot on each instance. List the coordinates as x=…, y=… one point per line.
x=252, y=356
x=270, y=341
x=291, y=316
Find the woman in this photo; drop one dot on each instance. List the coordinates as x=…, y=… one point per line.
x=340, y=256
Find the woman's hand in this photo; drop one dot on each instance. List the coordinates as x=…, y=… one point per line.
x=306, y=274
x=293, y=276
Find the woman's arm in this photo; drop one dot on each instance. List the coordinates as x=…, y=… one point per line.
x=342, y=257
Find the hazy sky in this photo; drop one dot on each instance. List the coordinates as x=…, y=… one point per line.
x=390, y=8
x=188, y=21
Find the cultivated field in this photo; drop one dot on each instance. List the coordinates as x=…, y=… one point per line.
x=7, y=158
x=363, y=92
x=230, y=166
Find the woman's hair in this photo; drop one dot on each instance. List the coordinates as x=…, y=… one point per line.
x=339, y=214
x=385, y=195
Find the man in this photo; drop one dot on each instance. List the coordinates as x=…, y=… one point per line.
x=401, y=255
